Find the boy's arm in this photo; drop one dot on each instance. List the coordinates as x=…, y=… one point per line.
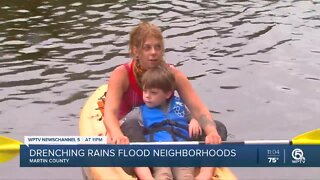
x=194, y=126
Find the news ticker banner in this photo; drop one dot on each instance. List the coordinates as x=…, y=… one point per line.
x=44, y=152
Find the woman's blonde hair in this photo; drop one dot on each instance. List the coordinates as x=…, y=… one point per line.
x=139, y=34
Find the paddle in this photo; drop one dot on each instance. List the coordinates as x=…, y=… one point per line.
x=9, y=148
x=307, y=138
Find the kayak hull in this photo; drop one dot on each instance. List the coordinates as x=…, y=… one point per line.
x=91, y=124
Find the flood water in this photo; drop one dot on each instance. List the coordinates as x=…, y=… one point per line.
x=256, y=64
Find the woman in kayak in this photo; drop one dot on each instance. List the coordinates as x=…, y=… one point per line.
x=124, y=88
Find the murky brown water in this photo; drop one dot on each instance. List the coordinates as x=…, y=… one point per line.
x=256, y=64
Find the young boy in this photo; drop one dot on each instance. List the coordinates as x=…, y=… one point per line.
x=165, y=119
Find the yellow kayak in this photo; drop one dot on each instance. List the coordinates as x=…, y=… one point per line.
x=91, y=124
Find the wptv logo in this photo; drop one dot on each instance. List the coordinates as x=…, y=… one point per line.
x=297, y=156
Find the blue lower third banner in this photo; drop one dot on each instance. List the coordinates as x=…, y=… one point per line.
x=224, y=155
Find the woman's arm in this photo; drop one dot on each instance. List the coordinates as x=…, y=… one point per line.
x=117, y=85
x=196, y=106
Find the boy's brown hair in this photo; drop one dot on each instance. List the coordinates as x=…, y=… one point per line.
x=160, y=77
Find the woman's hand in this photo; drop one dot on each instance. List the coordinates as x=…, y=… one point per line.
x=117, y=139
x=213, y=137
x=194, y=128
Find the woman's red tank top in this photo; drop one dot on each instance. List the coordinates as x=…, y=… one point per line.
x=133, y=96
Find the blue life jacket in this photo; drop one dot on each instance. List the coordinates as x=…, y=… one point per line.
x=167, y=126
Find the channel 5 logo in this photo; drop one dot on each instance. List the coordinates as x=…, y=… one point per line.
x=297, y=156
